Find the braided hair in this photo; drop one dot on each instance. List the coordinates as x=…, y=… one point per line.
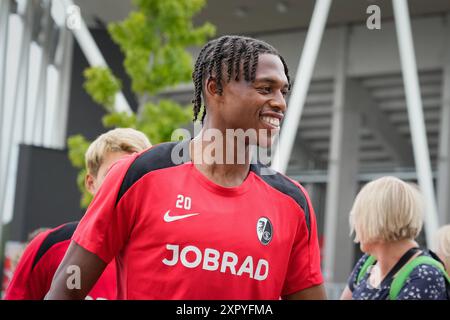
x=226, y=55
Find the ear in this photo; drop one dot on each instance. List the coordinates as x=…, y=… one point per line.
x=211, y=88
x=89, y=182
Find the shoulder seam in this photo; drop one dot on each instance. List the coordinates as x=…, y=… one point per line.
x=61, y=234
x=156, y=158
x=305, y=208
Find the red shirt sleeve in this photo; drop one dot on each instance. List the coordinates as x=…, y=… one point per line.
x=106, y=226
x=33, y=282
x=304, y=263
x=24, y=284
x=106, y=286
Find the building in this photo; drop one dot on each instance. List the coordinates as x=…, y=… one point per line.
x=366, y=102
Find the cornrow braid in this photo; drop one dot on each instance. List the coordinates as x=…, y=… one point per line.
x=247, y=58
x=217, y=58
x=237, y=60
x=229, y=61
x=255, y=64
x=203, y=115
x=197, y=79
x=230, y=52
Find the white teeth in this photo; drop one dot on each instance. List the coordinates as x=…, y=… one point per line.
x=273, y=121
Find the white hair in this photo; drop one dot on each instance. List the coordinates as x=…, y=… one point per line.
x=387, y=209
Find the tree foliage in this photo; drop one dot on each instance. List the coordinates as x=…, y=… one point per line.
x=154, y=40
x=102, y=86
x=78, y=145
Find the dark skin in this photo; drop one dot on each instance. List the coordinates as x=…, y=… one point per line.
x=241, y=106
x=91, y=268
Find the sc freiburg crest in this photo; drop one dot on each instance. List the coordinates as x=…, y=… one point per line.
x=264, y=230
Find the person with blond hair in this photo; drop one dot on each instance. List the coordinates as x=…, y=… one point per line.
x=387, y=217
x=443, y=245
x=41, y=258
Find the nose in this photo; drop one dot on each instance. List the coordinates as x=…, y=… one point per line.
x=278, y=101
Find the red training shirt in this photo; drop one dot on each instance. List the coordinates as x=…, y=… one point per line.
x=37, y=266
x=177, y=235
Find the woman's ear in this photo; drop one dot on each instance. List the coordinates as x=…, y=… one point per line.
x=89, y=183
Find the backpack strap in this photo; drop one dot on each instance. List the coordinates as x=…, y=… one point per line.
x=388, y=278
x=403, y=274
x=369, y=262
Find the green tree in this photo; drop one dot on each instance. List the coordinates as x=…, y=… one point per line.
x=154, y=40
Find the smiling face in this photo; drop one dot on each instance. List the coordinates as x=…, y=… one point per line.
x=259, y=105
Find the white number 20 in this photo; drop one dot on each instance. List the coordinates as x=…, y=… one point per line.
x=183, y=202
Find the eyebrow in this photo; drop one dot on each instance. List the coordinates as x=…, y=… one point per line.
x=271, y=81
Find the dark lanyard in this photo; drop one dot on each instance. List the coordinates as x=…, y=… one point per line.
x=401, y=262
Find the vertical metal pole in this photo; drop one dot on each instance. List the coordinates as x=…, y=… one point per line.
x=64, y=65
x=342, y=170
x=4, y=29
x=41, y=99
x=302, y=80
x=415, y=115
x=443, y=177
x=301, y=84
x=4, y=19
x=94, y=56
x=18, y=105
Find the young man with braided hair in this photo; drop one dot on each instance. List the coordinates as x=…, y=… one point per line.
x=197, y=226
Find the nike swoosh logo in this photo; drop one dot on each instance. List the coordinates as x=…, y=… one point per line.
x=169, y=218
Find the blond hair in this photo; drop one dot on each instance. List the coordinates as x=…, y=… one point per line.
x=117, y=140
x=443, y=244
x=387, y=209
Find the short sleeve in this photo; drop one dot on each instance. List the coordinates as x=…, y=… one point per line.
x=424, y=283
x=42, y=274
x=304, y=264
x=108, y=221
x=354, y=274
x=23, y=279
